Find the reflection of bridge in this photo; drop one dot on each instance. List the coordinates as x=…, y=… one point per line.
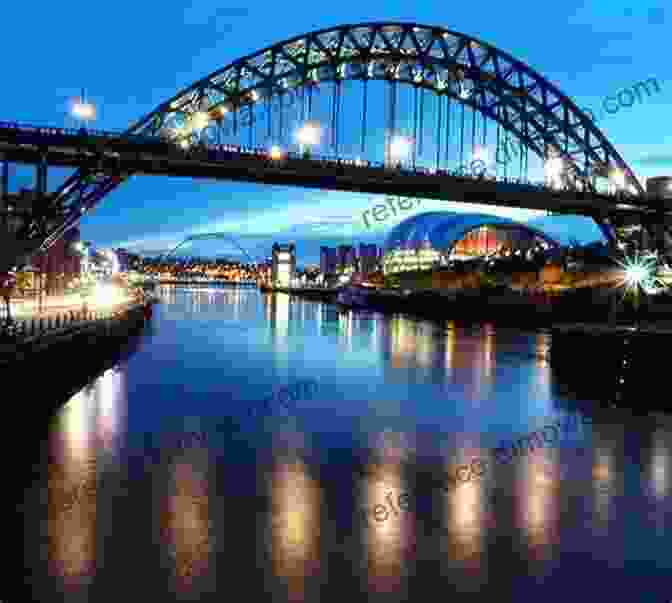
x=438, y=91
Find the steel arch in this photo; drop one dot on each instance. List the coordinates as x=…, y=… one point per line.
x=499, y=86
x=211, y=236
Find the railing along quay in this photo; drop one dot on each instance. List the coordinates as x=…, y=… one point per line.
x=20, y=333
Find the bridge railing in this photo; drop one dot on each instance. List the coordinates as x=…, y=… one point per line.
x=53, y=131
x=225, y=151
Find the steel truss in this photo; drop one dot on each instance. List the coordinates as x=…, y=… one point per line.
x=210, y=236
x=448, y=64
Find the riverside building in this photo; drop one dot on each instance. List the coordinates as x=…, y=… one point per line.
x=431, y=240
x=283, y=264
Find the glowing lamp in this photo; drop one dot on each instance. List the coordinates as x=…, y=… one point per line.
x=309, y=134
x=400, y=147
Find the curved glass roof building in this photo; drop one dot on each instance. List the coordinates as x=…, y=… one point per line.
x=430, y=239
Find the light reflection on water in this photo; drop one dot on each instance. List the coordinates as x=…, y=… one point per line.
x=404, y=396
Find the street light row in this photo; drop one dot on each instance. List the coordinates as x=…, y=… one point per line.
x=309, y=135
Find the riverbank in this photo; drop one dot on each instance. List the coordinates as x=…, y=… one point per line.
x=54, y=365
x=522, y=310
x=318, y=293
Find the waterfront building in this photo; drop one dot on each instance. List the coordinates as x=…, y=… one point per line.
x=328, y=260
x=284, y=264
x=346, y=259
x=368, y=258
x=60, y=266
x=433, y=239
x=123, y=259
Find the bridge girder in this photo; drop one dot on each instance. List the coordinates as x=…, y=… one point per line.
x=210, y=236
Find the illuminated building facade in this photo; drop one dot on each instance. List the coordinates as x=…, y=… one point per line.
x=369, y=258
x=122, y=258
x=284, y=264
x=346, y=259
x=328, y=260
x=429, y=240
x=61, y=264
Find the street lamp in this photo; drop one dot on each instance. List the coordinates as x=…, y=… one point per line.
x=481, y=153
x=617, y=178
x=276, y=152
x=309, y=134
x=400, y=147
x=554, y=168
x=82, y=110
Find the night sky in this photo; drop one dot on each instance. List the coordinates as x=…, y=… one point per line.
x=131, y=56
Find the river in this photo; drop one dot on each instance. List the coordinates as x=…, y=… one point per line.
x=166, y=479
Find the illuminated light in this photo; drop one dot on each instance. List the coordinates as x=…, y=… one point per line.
x=83, y=110
x=481, y=153
x=554, y=168
x=254, y=95
x=309, y=134
x=199, y=120
x=184, y=144
x=223, y=110
x=400, y=147
x=618, y=178
x=638, y=271
x=276, y=152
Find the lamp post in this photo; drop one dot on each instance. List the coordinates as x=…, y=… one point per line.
x=309, y=134
x=82, y=110
x=400, y=148
x=554, y=168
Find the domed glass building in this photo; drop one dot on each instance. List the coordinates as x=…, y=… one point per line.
x=432, y=239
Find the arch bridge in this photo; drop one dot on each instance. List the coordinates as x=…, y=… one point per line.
x=210, y=236
x=396, y=108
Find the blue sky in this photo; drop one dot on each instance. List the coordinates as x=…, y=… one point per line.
x=131, y=56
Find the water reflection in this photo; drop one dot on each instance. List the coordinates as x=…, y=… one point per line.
x=185, y=520
x=386, y=542
x=86, y=436
x=464, y=506
x=294, y=523
x=661, y=458
x=538, y=498
x=418, y=381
